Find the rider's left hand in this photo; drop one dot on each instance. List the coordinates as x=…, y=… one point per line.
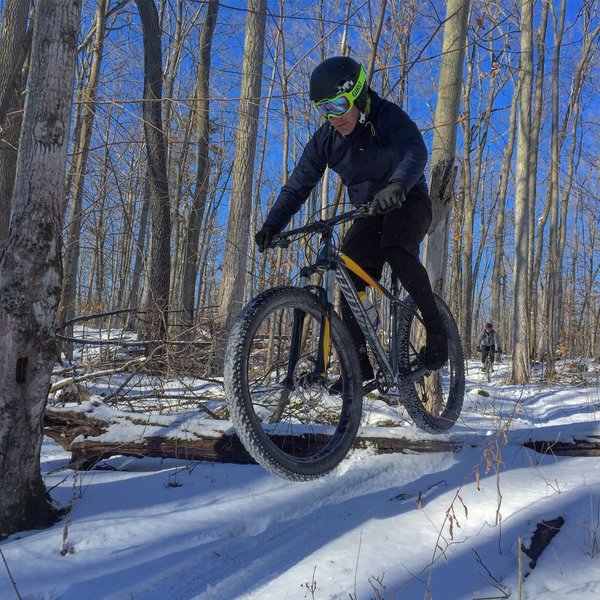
x=391, y=196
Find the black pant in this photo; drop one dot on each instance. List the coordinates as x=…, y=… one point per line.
x=394, y=238
x=485, y=350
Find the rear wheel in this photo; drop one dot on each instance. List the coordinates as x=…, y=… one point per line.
x=284, y=416
x=435, y=400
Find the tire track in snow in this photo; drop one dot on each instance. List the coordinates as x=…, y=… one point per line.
x=280, y=538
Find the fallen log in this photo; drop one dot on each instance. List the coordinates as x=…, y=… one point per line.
x=93, y=432
x=578, y=447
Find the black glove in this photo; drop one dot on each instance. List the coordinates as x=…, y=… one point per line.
x=391, y=196
x=263, y=237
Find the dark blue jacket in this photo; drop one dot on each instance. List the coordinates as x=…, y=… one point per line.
x=388, y=147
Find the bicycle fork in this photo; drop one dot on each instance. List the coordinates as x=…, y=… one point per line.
x=320, y=372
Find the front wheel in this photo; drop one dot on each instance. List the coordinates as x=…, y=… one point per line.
x=433, y=401
x=278, y=401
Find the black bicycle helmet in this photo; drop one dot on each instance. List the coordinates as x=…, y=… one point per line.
x=334, y=76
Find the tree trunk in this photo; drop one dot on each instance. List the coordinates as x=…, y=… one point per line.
x=553, y=268
x=536, y=125
x=498, y=272
x=30, y=267
x=236, y=247
x=139, y=265
x=14, y=46
x=443, y=171
x=520, y=328
x=81, y=151
x=201, y=110
x=160, y=258
x=259, y=261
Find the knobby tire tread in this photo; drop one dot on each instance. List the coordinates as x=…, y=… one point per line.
x=422, y=418
x=238, y=398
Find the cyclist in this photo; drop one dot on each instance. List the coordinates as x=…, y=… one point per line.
x=488, y=343
x=380, y=155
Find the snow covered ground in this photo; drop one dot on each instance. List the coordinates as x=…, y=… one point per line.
x=442, y=526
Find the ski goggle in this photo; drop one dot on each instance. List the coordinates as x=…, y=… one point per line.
x=332, y=108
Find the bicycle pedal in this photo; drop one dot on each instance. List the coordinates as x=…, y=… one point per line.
x=391, y=399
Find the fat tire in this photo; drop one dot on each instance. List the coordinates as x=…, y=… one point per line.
x=453, y=371
x=239, y=396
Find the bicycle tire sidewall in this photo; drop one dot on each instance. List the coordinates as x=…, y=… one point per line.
x=419, y=414
x=247, y=426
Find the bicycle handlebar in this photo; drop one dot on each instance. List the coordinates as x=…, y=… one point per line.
x=284, y=238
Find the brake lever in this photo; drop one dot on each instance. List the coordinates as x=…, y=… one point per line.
x=364, y=210
x=279, y=242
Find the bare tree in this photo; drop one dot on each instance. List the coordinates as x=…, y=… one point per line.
x=158, y=184
x=202, y=119
x=520, y=328
x=30, y=267
x=553, y=283
x=236, y=249
x=14, y=46
x=498, y=272
x=140, y=247
x=536, y=236
x=443, y=171
x=81, y=152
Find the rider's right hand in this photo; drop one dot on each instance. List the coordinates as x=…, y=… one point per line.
x=390, y=197
x=264, y=237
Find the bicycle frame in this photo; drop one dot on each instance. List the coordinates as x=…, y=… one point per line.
x=336, y=267
x=292, y=375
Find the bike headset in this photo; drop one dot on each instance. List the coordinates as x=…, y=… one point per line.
x=336, y=85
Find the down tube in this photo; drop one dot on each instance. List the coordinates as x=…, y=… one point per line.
x=349, y=290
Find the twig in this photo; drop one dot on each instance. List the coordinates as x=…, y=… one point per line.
x=59, y=385
x=129, y=343
x=495, y=583
x=100, y=315
x=14, y=584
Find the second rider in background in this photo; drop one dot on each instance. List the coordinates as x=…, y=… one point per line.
x=488, y=342
x=380, y=155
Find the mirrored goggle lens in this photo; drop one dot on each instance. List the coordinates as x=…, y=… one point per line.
x=334, y=108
